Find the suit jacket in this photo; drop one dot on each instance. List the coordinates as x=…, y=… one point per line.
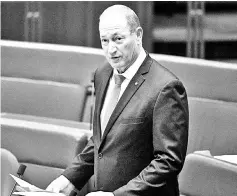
x=144, y=145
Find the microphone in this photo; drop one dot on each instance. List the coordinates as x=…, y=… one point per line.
x=92, y=100
x=21, y=170
x=20, y=173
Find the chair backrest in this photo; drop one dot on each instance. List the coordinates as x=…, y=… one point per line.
x=9, y=165
x=212, y=126
x=206, y=176
x=203, y=78
x=45, y=147
x=60, y=63
x=43, y=98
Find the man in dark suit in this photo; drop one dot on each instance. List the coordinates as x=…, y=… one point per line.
x=139, y=142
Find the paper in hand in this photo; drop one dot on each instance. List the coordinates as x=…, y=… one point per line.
x=28, y=189
x=25, y=185
x=38, y=194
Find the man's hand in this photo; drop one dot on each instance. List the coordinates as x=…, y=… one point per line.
x=100, y=193
x=61, y=184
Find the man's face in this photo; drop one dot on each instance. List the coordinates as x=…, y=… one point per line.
x=121, y=47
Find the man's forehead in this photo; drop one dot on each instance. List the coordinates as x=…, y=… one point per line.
x=111, y=21
x=113, y=31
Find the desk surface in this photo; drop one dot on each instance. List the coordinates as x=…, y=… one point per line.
x=228, y=158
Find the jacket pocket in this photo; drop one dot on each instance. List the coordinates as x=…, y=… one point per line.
x=133, y=121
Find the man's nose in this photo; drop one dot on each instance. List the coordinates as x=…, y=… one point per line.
x=112, y=48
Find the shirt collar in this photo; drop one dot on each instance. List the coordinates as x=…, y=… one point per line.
x=131, y=71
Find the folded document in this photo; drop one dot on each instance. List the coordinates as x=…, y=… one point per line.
x=28, y=189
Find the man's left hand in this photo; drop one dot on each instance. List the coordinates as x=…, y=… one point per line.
x=100, y=193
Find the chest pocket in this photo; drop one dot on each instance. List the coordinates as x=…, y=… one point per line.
x=131, y=121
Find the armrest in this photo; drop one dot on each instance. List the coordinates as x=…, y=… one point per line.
x=41, y=141
x=228, y=158
x=9, y=165
x=205, y=175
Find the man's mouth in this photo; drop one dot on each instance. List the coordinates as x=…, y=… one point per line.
x=115, y=58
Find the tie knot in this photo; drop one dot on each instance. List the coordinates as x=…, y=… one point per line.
x=118, y=79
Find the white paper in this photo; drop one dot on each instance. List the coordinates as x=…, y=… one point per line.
x=38, y=194
x=28, y=189
x=25, y=185
x=228, y=158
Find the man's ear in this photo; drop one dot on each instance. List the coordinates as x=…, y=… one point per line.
x=139, y=33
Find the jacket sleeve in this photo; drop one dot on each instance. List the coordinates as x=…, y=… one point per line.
x=82, y=167
x=170, y=136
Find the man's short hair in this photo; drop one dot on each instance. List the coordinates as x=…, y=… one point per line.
x=131, y=16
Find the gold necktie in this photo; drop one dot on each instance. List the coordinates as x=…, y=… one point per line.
x=113, y=100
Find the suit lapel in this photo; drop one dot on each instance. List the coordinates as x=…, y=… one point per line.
x=132, y=87
x=105, y=77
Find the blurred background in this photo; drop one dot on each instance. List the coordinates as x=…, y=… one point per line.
x=203, y=29
x=49, y=52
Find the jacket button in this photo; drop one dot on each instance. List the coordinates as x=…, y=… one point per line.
x=100, y=155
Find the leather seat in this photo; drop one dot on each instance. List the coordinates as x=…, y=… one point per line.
x=45, y=147
x=204, y=175
x=43, y=98
x=9, y=165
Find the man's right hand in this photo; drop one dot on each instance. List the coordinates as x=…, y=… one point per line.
x=61, y=184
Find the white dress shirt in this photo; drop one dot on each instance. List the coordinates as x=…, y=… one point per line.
x=128, y=74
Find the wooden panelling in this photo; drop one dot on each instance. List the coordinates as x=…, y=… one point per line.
x=12, y=20
x=142, y=9
x=66, y=22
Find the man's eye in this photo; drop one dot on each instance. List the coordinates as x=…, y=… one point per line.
x=118, y=39
x=104, y=41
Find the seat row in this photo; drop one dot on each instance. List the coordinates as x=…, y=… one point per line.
x=47, y=105
x=46, y=146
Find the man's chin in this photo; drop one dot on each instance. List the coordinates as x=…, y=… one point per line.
x=115, y=65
